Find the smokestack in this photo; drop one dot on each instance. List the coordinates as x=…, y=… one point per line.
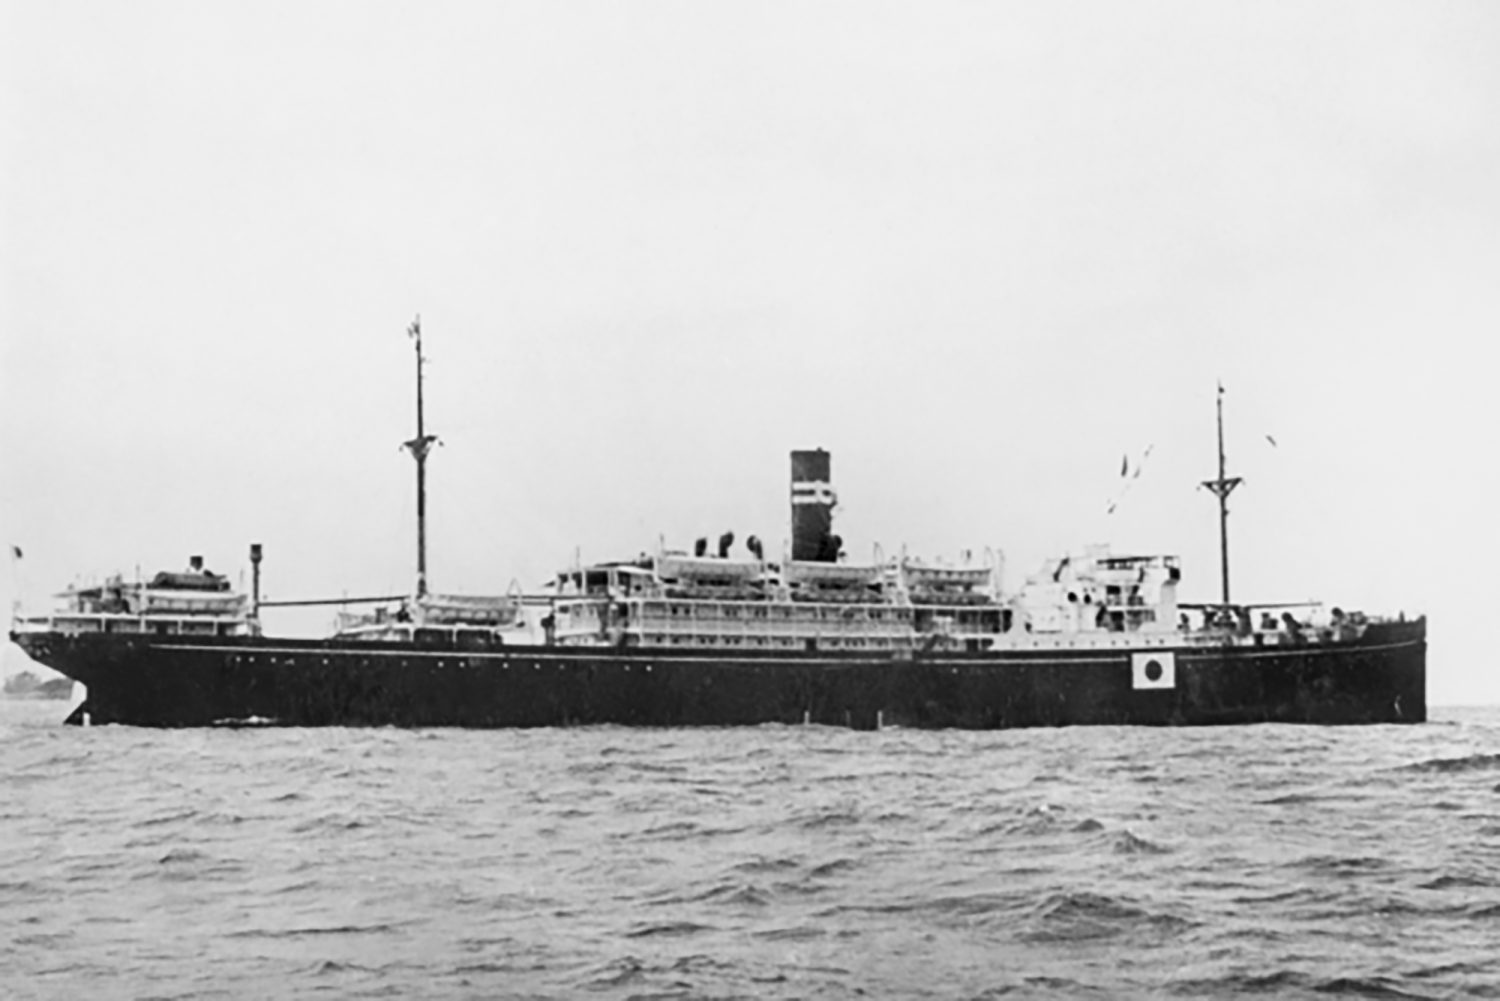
x=725, y=541
x=255, y=578
x=700, y=547
x=195, y=564
x=812, y=506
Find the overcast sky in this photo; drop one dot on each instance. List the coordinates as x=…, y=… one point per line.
x=978, y=251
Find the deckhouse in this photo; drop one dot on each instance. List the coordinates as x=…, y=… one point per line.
x=192, y=603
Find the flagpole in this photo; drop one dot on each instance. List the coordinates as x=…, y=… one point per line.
x=15, y=581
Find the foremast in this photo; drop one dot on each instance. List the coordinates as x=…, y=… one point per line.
x=419, y=447
x=1222, y=488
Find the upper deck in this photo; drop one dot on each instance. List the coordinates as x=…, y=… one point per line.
x=1096, y=600
x=193, y=603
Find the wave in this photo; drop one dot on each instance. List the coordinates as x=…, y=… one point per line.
x=826, y=869
x=1449, y=969
x=965, y=910
x=1460, y=881
x=670, y=830
x=741, y=896
x=1082, y=916
x=1292, y=799
x=829, y=818
x=1366, y=987
x=330, y=967
x=1057, y=986
x=166, y=818
x=759, y=866
x=315, y=931
x=1468, y=763
x=671, y=929
x=1036, y=821
x=331, y=822
x=1298, y=894
x=616, y=973
x=590, y=767
x=472, y=968
x=44, y=940
x=697, y=963
x=1281, y=982
x=1334, y=865
x=734, y=894
x=796, y=933
x=1125, y=843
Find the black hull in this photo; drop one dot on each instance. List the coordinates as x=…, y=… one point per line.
x=177, y=681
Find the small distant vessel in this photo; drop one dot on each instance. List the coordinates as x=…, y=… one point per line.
x=679, y=638
x=26, y=685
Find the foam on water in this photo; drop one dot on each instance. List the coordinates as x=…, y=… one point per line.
x=769, y=862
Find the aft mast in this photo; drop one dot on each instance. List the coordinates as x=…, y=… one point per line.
x=1222, y=488
x=419, y=447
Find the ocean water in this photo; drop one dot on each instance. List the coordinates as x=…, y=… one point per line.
x=775, y=862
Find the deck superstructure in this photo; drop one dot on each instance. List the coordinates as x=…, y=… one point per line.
x=194, y=602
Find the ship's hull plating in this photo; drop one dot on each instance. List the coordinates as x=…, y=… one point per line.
x=178, y=681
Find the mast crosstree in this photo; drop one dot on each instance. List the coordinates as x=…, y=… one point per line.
x=419, y=447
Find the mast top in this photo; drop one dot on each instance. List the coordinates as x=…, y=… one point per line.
x=423, y=442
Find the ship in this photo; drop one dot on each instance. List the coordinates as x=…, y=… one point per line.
x=719, y=635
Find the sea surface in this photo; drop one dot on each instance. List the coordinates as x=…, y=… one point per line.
x=773, y=862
